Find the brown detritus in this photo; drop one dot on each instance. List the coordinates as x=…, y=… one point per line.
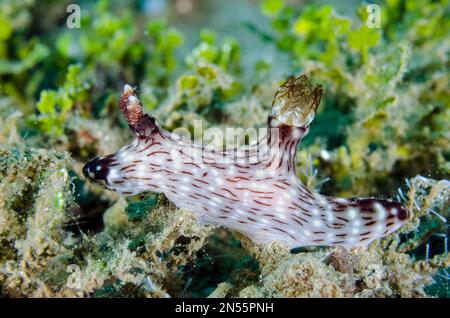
x=340, y=259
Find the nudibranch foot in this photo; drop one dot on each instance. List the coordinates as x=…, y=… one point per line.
x=253, y=190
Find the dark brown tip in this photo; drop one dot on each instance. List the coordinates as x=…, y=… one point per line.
x=394, y=208
x=403, y=213
x=300, y=91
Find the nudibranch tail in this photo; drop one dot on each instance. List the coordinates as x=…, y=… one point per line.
x=253, y=190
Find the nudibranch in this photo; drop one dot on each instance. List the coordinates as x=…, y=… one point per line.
x=252, y=189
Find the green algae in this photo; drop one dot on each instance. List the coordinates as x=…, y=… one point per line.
x=139, y=210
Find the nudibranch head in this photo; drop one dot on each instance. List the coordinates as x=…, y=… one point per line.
x=97, y=170
x=120, y=171
x=257, y=195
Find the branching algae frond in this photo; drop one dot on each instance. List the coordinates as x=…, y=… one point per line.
x=253, y=190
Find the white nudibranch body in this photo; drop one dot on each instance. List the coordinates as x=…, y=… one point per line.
x=254, y=190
